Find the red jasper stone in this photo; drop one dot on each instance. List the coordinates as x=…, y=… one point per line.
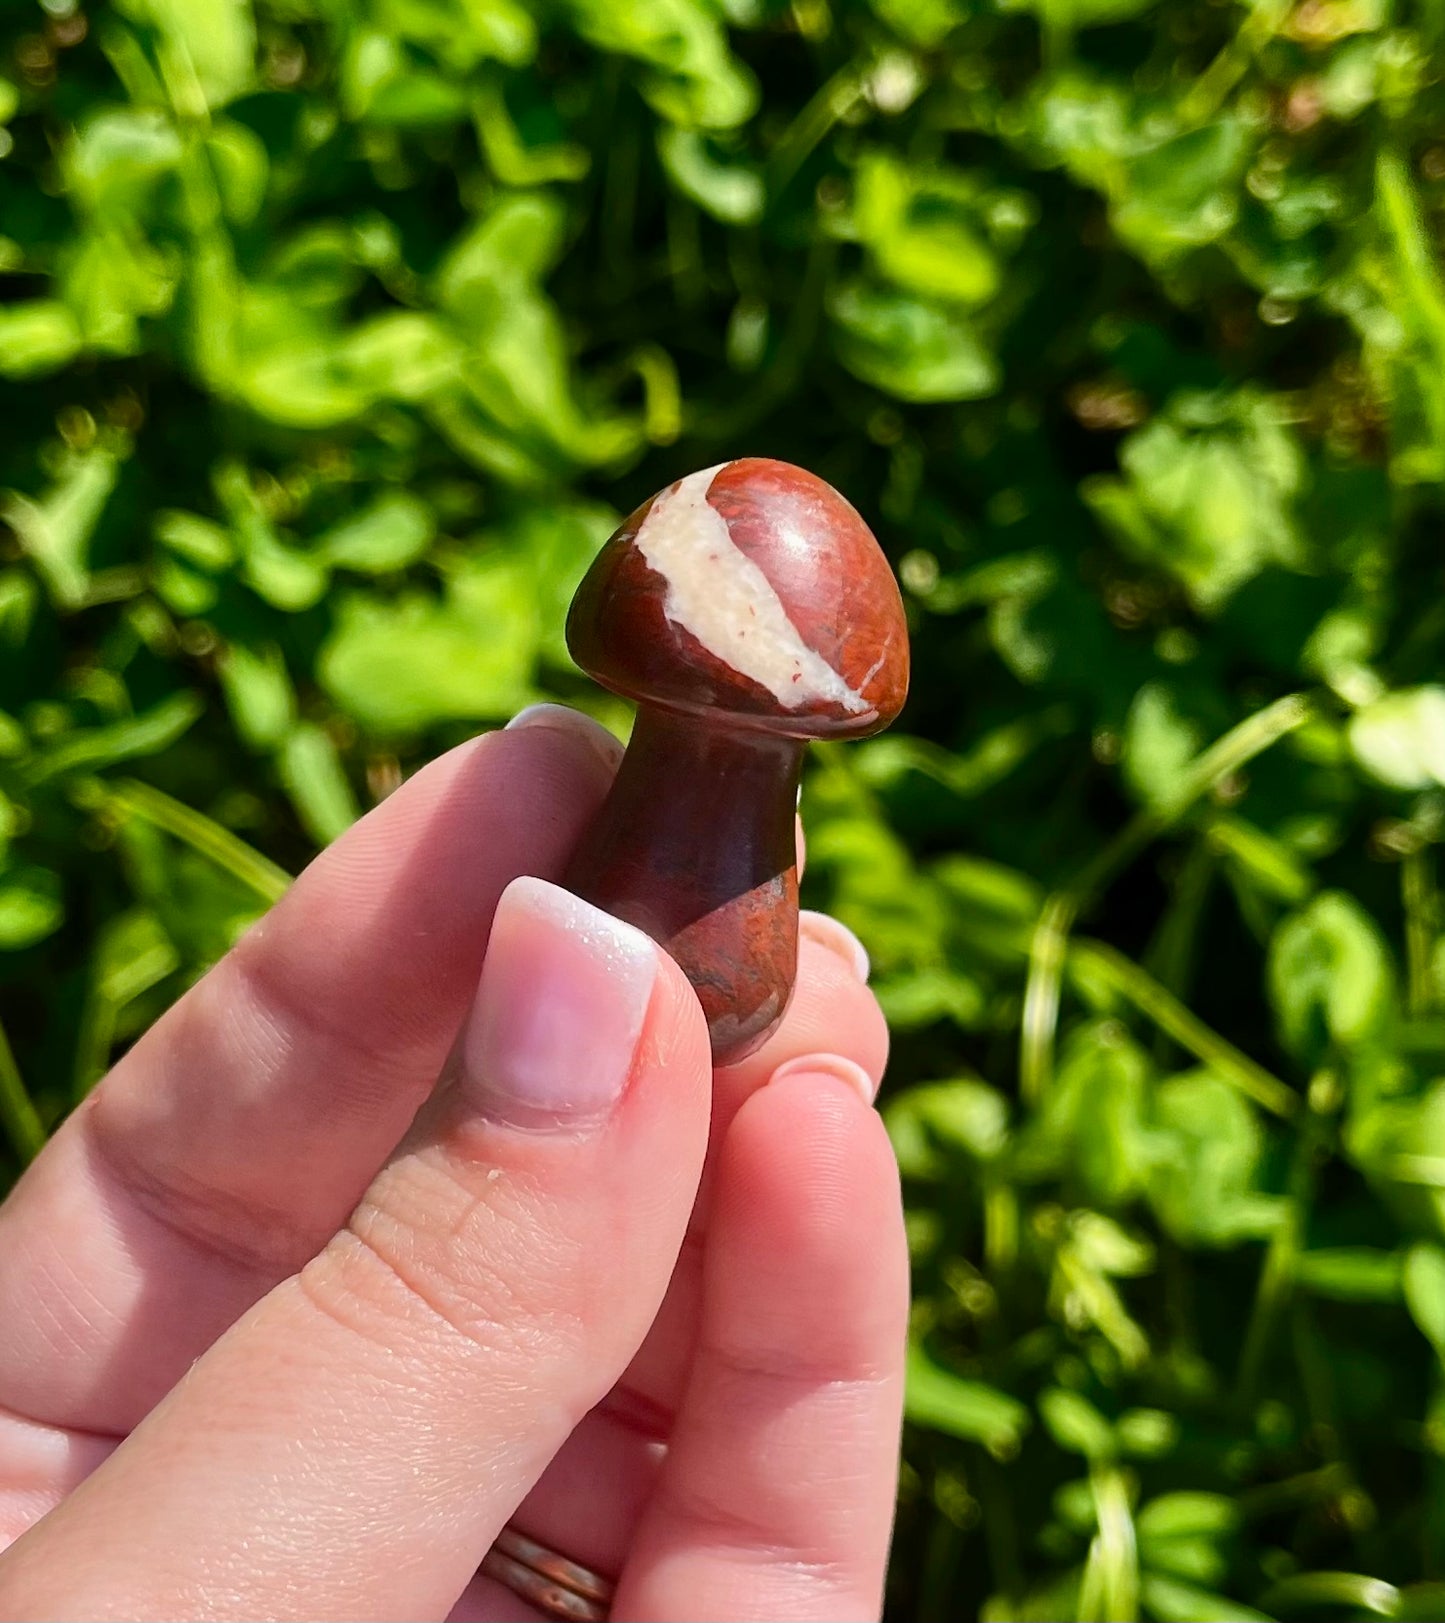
x=746, y=609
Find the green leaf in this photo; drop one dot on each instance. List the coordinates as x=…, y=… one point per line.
x=972, y=1410
x=916, y=351
x=517, y=240
x=925, y=232
x=922, y=996
x=1206, y=1148
x=553, y=543
x=56, y=530
x=1092, y=1123
x=1350, y=1274
x=402, y=356
x=111, y=282
x=1401, y=310
x=241, y=166
x=1424, y=1283
x=1330, y=975
x=1188, y=1514
x=925, y=22
x=969, y=772
x=198, y=540
x=30, y=906
x=462, y=32
x=291, y=367
x=1159, y=742
x=1147, y=1434
x=960, y=1116
x=1420, y=1603
x=317, y=266
x=314, y=778
x=1171, y=1601
x=37, y=337
x=1208, y=494
x=515, y=161
x=516, y=412
x=405, y=665
x=1313, y=1590
x=134, y=953
x=93, y=749
x=1259, y=861
x=1075, y=1424
x=207, y=47
x=1181, y=193
x=729, y=192
x=1400, y=739
x=390, y=534
x=1397, y=1142
x=1196, y=1560
x=285, y=576
x=692, y=79
x=258, y=693
x=118, y=158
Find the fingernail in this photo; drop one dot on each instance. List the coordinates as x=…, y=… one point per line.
x=559, y=1011
x=827, y=932
x=834, y=1065
x=562, y=719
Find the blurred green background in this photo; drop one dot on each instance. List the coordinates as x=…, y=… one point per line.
x=337, y=333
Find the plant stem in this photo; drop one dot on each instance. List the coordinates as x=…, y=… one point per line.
x=257, y=873
x=1103, y=962
x=1226, y=755
x=1041, y=995
x=1420, y=900
x=1276, y=1276
x=1233, y=750
x=823, y=110
x=22, y=1124
x=1110, y=1591
x=1207, y=95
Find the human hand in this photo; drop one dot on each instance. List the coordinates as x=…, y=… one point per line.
x=288, y=1329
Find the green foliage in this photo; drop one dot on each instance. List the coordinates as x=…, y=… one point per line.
x=334, y=339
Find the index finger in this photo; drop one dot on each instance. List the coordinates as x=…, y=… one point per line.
x=234, y=1139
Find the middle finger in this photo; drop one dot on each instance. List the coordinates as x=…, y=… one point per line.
x=590, y=1498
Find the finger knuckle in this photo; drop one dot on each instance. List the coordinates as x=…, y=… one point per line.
x=431, y=1254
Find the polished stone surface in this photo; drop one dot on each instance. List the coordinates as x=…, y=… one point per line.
x=746, y=608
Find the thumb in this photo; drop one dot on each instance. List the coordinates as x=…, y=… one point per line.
x=351, y=1446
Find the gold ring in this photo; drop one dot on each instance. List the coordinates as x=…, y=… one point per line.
x=556, y=1586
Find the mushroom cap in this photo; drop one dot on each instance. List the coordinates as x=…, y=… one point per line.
x=751, y=590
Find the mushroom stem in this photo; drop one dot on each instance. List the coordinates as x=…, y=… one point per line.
x=695, y=845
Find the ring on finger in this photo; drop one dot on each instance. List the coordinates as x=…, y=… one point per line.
x=555, y=1584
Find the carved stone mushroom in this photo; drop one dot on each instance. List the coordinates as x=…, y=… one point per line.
x=746, y=609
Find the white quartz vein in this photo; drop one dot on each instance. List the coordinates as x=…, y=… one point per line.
x=720, y=596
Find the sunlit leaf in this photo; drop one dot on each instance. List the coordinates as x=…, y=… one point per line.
x=36, y=337
x=938, y=1398
x=908, y=348
x=258, y=693
x=1208, y=494
x=1075, y=1424
x=312, y=773
x=207, y=47
x=393, y=532
x=691, y=77
x=30, y=906
x=731, y=192
x=418, y=660
x=1330, y=975
x=56, y=530
x=1400, y=739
